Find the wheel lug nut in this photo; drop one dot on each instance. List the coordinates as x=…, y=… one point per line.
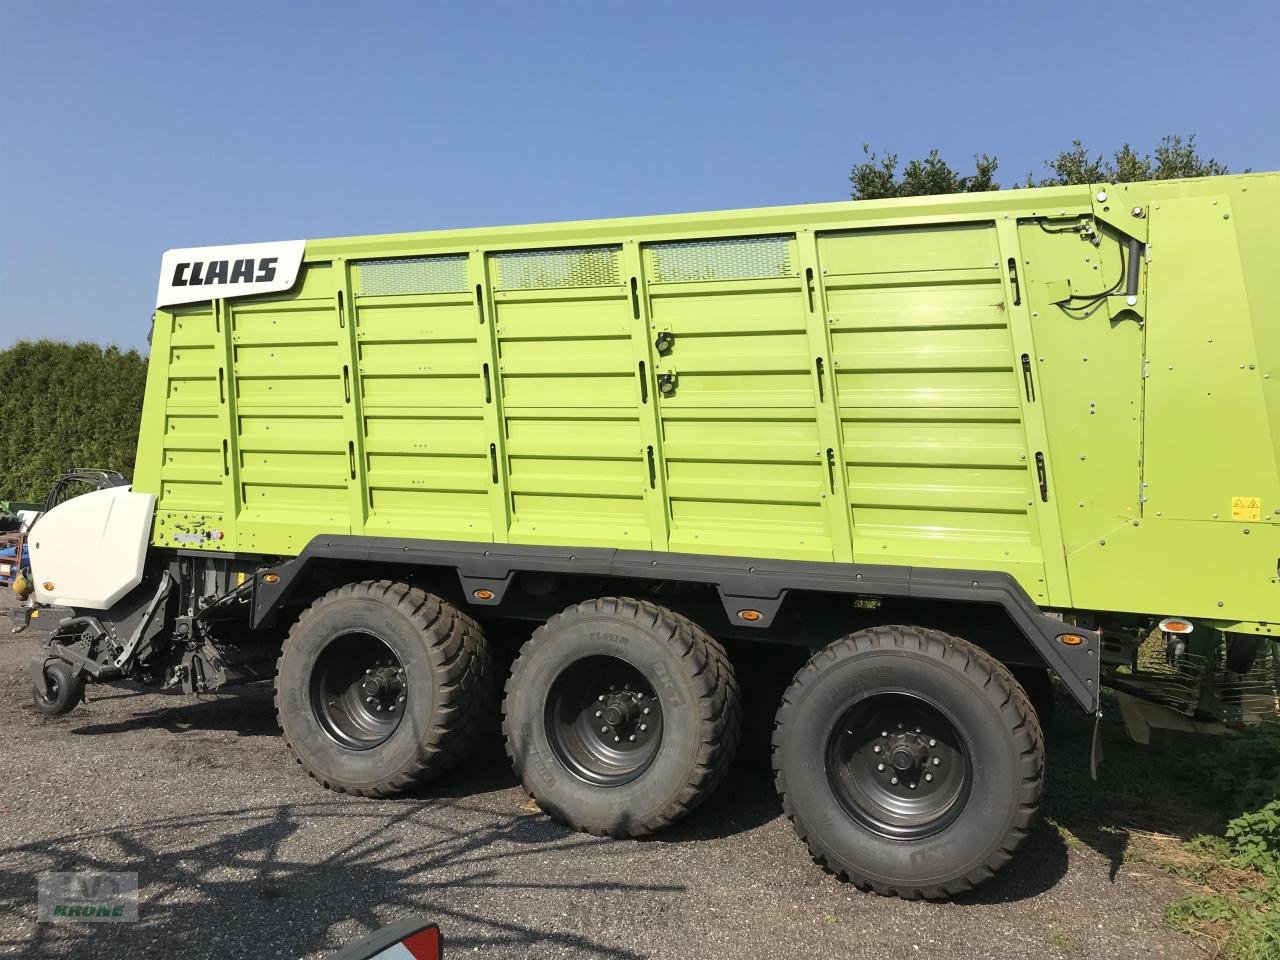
x=880, y=767
x=913, y=786
x=884, y=733
x=647, y=710
x=933, y=743
x=599, y=713
x=644, y=726
x=368, y=671
x=937, y=761
x=893, y=780
x=368, y=699
x=632, y=737
x=876, y=748
x=617, y=739
x=392, y=708
x=929, y=777
x=400, y=699
x=604, y=729
x=601, y=697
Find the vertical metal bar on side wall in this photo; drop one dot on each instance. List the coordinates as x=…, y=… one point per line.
x=644, y=359
x=353, y=405
x=231, y=494
x=149, y=457
x=1143, y=364
x=491, y=402
x=826, y=406
x=1042, y=513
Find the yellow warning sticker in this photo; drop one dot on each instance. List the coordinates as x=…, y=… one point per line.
x=1246, y=508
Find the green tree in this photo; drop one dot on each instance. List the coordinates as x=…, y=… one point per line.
x=1174, y=157
x=877, y=177
x=66, y=405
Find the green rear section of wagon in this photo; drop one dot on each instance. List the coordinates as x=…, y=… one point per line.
x=885, y=382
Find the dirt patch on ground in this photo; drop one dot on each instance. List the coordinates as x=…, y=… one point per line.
x=239, y=853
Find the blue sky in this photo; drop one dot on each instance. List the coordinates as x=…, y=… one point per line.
x=127, y=128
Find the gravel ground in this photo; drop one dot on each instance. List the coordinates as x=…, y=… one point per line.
x=240, y=854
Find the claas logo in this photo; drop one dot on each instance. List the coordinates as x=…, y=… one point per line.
x=246, y=270
x=406, y=940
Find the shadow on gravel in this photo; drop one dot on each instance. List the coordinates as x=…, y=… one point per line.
x=228, y=884
x=245, y=711
x=1169, y=787
x=1034, y=869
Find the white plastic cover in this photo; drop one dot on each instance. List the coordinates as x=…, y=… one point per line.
x=192, y=274
x=88, y=551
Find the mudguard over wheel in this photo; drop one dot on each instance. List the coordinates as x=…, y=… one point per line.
x=910, y=761
x=621, y=716
x=381, y=686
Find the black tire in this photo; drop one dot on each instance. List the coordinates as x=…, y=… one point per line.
x=1037, y=684
x=677, y=669
x=1241, y=652
x=868, y=832
x=66, y=689
x=443, y=696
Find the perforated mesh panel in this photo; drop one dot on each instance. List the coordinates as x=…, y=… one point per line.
x=414, y=275
x=743, y=258
x=569, y=267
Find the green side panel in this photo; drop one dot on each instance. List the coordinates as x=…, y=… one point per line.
x=744, y=471
x=423, y=395
x=1203, y=378
x=191, y=390
x=926, y=381
x=575, y=463
x=935, y=450
x=1204, y=540
x=1087, y=369
x=292, y=375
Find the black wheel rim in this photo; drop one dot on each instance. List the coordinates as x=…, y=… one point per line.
x=52, y=688
x=899, y=766
x=359, y=691
x=604, y=720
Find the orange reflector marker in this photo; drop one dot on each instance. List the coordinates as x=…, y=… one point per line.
x=48, y=585
x=1175, y=625
x=270, y=578
x=751, y=615
x=1071, y=639
x=482, y=594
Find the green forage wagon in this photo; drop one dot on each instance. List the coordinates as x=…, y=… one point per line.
x=948, y=446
